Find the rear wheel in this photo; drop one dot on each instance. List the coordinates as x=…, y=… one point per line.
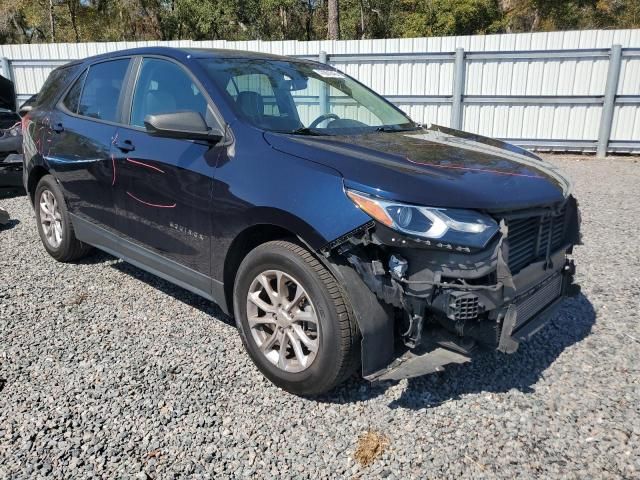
x=54, y=224
x=294, y=320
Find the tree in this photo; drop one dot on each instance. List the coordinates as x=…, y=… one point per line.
x=549, y=15
x=445, y=17
x=27, y=21
x=333, y=21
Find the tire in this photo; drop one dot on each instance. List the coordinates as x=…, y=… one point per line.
x=64, y=247
x=337, y=339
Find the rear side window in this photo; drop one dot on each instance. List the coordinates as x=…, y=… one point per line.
x=72, y=99
x=101, y=91
x=56, y=82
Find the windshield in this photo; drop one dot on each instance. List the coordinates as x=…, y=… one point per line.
x=302, y=98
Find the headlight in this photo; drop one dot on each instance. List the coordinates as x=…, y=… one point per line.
x=14, y=130
x=447, y=226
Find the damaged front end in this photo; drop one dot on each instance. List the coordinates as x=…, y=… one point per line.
x=421, y=304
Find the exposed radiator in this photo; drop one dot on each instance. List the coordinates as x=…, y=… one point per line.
x=529, y=238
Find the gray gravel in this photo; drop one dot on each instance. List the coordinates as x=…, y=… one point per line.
x=107, y=372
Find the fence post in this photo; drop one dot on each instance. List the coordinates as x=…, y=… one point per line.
x=458, y=89
x=324, y=89
x=7, y=72
x=608, y=107
x=5, y=68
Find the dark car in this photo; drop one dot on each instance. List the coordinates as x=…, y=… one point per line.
x=8, y=115
x=338, y=232
x=27, y=105
x=10, y=140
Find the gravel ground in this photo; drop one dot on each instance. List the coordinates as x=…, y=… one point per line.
x=107, y=371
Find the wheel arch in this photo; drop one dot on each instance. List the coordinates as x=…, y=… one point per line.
x=248, y=239
x=35, y=174
x=370, y=314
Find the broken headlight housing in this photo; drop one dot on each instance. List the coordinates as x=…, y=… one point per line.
x=443, y=225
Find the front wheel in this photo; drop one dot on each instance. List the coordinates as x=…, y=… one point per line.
x=294, y=319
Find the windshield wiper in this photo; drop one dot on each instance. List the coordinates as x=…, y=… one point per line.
x=305, y=131
x=391, y=128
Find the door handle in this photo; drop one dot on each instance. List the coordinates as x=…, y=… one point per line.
x=58, y=128
x=125, y=146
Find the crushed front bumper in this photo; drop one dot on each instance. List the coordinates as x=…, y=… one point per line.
x=446, y=304
x=518, y=321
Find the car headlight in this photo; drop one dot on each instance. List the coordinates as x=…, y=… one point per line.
x=444, y=225
x=14, y=130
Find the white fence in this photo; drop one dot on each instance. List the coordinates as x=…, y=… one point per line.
x=550, y=91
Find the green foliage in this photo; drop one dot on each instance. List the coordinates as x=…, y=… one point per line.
x=442, y=17
x=26, y=21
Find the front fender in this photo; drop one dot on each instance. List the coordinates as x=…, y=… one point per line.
x=257, y=185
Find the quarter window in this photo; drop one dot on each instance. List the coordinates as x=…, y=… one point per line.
x=56, y=81
x=164, y=87
x=72, y=100
x=101, y=90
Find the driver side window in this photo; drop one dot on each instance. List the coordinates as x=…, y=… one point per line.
x=254, y=94
x=164, y=87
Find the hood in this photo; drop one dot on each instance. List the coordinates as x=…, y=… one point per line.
x=438, y=167
x=7, y=95
x=7, y=120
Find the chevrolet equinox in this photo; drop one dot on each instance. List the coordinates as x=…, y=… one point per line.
x=339, y=234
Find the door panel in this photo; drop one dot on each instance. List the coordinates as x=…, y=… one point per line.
x=163, y=196
x=84, y=130
x=163, y=185
x=80, y=155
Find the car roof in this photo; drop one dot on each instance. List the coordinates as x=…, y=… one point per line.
x=182, y=53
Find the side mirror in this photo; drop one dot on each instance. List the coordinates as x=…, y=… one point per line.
x=188, y=125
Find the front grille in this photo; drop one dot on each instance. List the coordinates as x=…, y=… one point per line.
x=529, y=238
x=530, y=303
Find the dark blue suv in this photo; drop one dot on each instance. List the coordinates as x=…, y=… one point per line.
x=338, y=232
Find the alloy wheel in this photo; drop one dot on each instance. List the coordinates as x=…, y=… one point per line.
x=283, y=321
x=50, y=219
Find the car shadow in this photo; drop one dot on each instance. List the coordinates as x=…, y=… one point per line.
x=10, y=192
x=489, y=371
x=95, y=257
x=178, y=293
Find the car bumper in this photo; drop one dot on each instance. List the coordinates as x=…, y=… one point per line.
x=444, y=305
x=11, y=172
x=514, y=322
